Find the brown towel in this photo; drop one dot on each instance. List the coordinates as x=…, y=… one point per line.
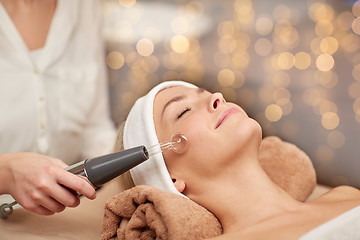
x=144, y=212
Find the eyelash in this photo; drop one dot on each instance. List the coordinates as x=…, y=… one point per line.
x=183, y=112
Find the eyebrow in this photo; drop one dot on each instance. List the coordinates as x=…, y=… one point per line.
x=179, y=98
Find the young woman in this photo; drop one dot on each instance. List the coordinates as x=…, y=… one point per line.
x=220, y=169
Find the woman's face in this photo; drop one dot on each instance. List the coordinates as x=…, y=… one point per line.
x=218, y=132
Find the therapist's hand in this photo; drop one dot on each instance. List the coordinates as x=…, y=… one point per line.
x=37, y=183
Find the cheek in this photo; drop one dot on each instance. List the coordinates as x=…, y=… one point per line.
x=199, y=141
x=216, y=149
x=193, y=128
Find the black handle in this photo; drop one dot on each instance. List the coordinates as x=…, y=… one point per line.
x=102, y=169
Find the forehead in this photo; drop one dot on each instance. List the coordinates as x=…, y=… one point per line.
x=170, y=92
x=174, y=89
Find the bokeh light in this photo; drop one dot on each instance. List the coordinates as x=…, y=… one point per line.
x=226, y=77
x=357, y=117
x=273, y=112
x=285, y=60
x=115, y=60
x=263, y=47
x=336, y=139
x=282, y=11
x=302, y=60
x=315, y=45
x=356, y=106
x=264, y=25
x=356, y=9
x=330, y=120
x=324, y=28
x=354, y=90
x=356, y=26
x=226, y=29
x=329, y=45
x=344, y=20
x=325, y=62
x=180, y=44
x=327, y=79
x=326, y=106
x=356, y=72
x=244, y=12
x=145, y=47
x=282, y=96
x=227, y=45
x=319, y=11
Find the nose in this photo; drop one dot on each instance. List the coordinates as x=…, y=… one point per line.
x=215, y=100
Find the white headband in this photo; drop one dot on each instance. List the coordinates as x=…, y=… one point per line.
x=140, y=130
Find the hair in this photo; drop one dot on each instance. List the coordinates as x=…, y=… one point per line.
x=124, y=180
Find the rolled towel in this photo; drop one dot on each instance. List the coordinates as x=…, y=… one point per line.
x=144, y=212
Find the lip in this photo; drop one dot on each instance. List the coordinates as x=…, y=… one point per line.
x=225, y=115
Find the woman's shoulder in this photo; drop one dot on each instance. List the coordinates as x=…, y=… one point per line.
x=341, y=193
x=348, y=190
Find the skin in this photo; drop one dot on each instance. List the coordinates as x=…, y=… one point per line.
x=220, y=170
x=37, y=182
x=32, y=19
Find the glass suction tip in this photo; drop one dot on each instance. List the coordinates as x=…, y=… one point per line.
x=178, y=143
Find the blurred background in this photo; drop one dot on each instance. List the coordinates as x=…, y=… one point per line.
x=294, y=66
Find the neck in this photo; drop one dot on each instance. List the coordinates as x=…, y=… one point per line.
x=19, y=1
x=26, y=5
x=246, y=197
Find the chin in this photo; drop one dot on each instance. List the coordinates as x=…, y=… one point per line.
x=257, y=128
x=249, y=134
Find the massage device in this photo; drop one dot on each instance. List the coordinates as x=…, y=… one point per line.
x=102, y=169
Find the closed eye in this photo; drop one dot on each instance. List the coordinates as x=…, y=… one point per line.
x=183, y=112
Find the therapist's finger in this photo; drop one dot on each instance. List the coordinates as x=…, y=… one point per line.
x=76, y=183
x=46, y=201
x=41, y=211
x=65, y=196
x=35, y=206
x=50, y=204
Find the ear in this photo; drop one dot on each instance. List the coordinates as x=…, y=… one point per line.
x=179, y=184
